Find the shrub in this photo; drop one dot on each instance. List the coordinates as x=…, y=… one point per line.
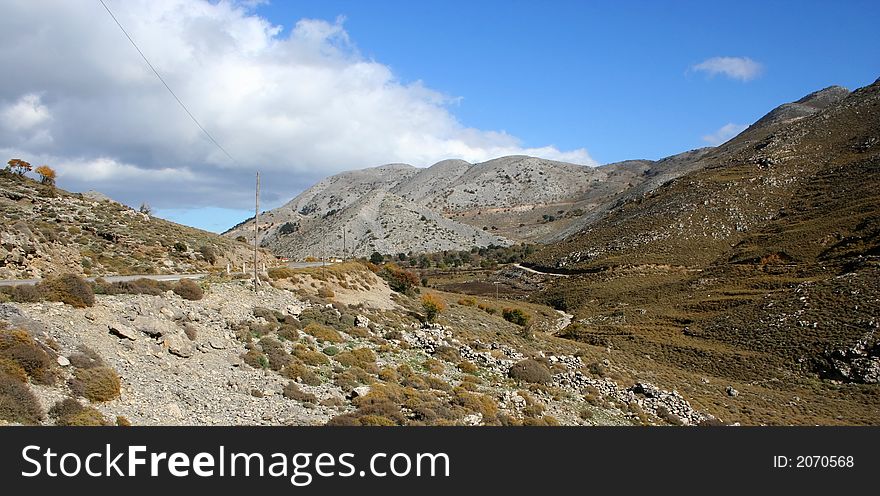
x=467, y=302
x=122, y=421
x=330, y=350
x=433, y=305
x=447, y=353
x=398, y=279
x=530, y=370
x=433, y=366
x=275, y=353
x=300, y=371
x=663, y=413
x=280, y=272
x=255, y=359
x=87, y=417
x=138, y=286
x=310, y=357
x=65, y=407
x=17, y=402
x=12, y=369
x=86, y=358
x=468, y=367
x=323, y=333
x=208, y=253
x=360, y=357
x=96, y=384
x=180, y=246
x=70, y=289
x=325, y=292
x=293, y=392
x=18, y=347
x=515, y=315
x=188, y=290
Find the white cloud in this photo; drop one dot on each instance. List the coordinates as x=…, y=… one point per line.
x=742, y=68
x=724, y=133
x=297, y=106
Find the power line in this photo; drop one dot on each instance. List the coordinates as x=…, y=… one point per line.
x=179, y=101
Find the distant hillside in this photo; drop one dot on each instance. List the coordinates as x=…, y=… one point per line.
x=761, y=267
x=47, y=231
x=452, y=205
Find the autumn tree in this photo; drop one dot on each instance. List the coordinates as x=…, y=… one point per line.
x=433, y=305
x=47, y=175
x=18, y=166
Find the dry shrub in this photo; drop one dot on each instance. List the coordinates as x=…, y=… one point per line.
x=280, y=272
x=438, y=383
x=447, y=353
x=86, y=358
x=275, y=353
x=18, y=347
x=255, y=359
x=325, y=292
x=388, y=374
x=310, y=357
x=138, y=286
x=477, y=403
x=96, y=384
x=70, y=289
x=323, y=333
x=545, y=421
x=17, y=403
x=65, y=407
x=434, y=366
x=88, y=417
x=188, y=290
x=467, y=302
x=468, y=367
x=12, y=369
x=359, y=357
x=293, y=392
x=122, y=421
x=297, y=370
x=530, y=370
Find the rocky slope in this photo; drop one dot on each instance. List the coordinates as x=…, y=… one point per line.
x=237, y=357
x=452, y=205
x=760, y=266
x=49, y=231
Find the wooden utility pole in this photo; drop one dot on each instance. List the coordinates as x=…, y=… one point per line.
x=344, y=253
x=256, y=231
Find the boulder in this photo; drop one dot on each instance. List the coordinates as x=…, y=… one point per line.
x=122, y=331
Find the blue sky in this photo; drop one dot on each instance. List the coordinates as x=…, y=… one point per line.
x=610, y=76
x=305, y=89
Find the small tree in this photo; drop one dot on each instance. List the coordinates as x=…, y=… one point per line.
x=146, y=209
x=433, y=305
x=47, y=175
x=377, y=258
x=18, y=166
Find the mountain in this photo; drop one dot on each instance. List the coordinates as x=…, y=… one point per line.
x=758, y=269
x=47, y=230
x=451, y=205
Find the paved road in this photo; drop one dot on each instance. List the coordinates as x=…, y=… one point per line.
x=533, y=271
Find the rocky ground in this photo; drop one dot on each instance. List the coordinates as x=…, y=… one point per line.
x=181, y=362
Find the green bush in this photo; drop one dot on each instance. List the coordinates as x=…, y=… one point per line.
x=515, y=315
x=255, y=359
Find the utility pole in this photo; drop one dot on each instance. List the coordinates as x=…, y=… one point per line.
x=256, y=231
x=344, y=251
